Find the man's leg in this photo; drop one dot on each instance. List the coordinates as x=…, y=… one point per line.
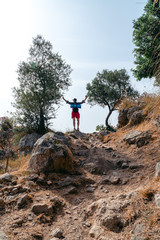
x=74, y=123
x=77, y=123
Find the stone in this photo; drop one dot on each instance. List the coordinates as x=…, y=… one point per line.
x=7, y=177
x=112, y=222
x=27, y=142
x=3, y=236
x=66, y=182
x=98, y=162
x=136, y=118
x=157, y=200
x=24, y=200
x=2, y=204
x=110, y=180
x=131, y=111
x=157, y=173
x=138, y=231
x=58, y=233
x=122, y=117
x=137, y=137
x=108, y=214
x=71, y=190
x=39, y=208
x=95, y=231
x=157, y=122
x=50, y=154
x=131, y=136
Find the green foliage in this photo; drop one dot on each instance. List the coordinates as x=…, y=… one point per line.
x=6, y=134
x=146, y=37
x=42, y=80
x=108, y=88
x=101, y=128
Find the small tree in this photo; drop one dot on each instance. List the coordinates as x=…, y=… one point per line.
x=6, y=133
x=42, y=80
x=146, y=37
x=108, y=88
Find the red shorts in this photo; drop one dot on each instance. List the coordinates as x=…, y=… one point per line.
x=75, y=115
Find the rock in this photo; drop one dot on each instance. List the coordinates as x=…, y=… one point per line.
x=102, y=134
x=39, y=208
x=7, y=177
x=3, y=236
x=108, y=214
x=71, y=190
x=112, y=222
x=37, y=235
x=90, y=189
x=157, y=173
x=132, y=110
x=2, y=204
x=56, y=202
x=95, y=231
x=24, y=200
x=97, y=162
x=131, y=136
x=78, y=134
x=140, y=138
x=50, y=154
x=143, y=140
x=27, y=142
x=66, y=182
x=157, y=122
x=138, y=231
x=111, y=180
x=136, y=118
x=157, y=200
x=58, y=233
x=122, y=117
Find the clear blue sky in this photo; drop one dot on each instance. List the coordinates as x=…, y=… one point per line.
x=91, y=35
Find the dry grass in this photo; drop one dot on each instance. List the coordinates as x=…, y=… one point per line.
x=19, y=166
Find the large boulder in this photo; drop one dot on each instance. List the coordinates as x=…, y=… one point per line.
x=133, y=115
x=50, y=154
x=132, y=110
x=122, y=118
x=27, y=142
x=136, y=118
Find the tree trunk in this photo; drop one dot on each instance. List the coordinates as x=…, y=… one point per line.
x=107, y=118
x=42, y=123
x=7, y=161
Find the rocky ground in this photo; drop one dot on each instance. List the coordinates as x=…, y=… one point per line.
x=110, y=194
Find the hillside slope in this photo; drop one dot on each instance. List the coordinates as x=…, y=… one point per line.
x=112, y=194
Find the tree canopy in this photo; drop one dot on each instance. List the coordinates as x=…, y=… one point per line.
x=42, y=80
x=146, y=37
x=108, y=88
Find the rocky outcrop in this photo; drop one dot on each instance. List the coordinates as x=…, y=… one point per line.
x=97, y=162
x=6, y=177
x=50, y=154
x=133, y=116
x=137, y=137
x=136, y=118
x=108, y=214
x=122, y=117
x=27, y=142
